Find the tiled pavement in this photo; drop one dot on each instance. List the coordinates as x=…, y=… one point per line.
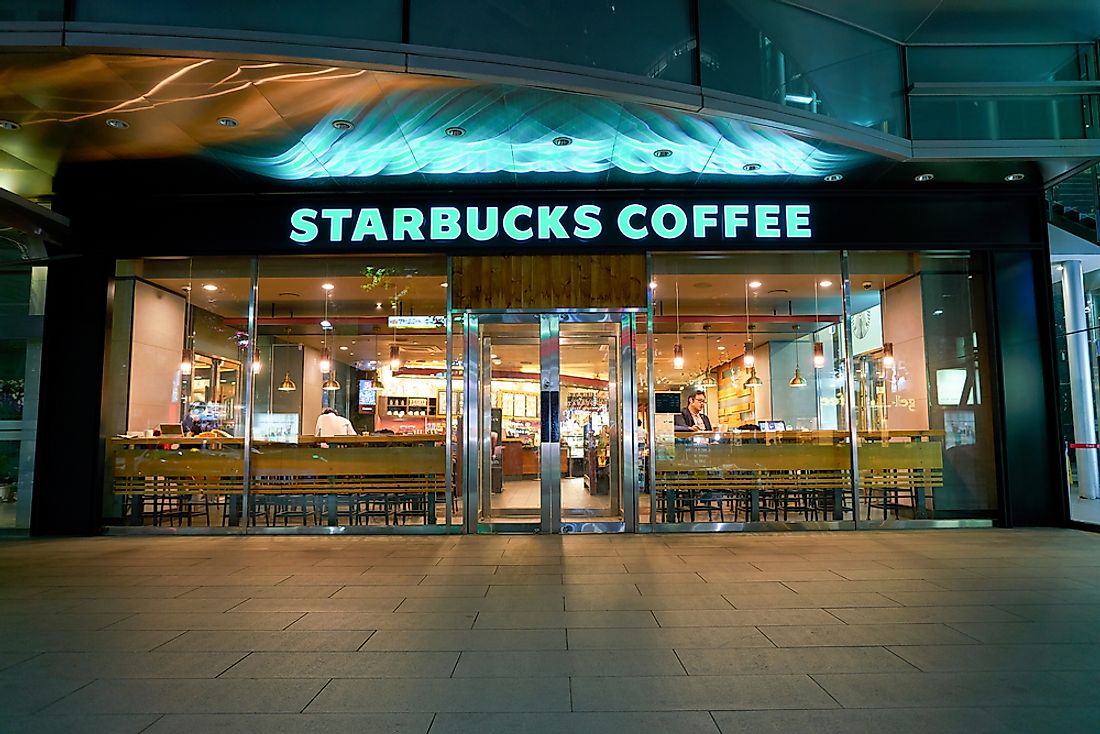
x=945, y=631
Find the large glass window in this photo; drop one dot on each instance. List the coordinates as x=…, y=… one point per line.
x=653, y=39
x=750, y=422
x=177, y=366
x=1076, y=290
x=784, y=54
x=22, y=294
x=349, y=421
x=923, y=401
x=754, y=418
x=336, y=386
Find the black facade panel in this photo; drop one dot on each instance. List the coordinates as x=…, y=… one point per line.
x=70, y=449
x=1030, y=460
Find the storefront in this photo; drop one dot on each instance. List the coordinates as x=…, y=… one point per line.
x=524, y=361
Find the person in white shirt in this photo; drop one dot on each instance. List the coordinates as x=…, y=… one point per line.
x=331, y=424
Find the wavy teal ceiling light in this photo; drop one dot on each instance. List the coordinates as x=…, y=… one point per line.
x=512, y=130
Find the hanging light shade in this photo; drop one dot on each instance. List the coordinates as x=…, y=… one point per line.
x=819, y=355
x=257, y=365
x=187, y=363
x=331, y=385
x=678, y=356
x=888, y=355
x=754, y=380
x=395, y=357
x=749, y=359
x=287, y=385
x=326, y=360
x=797, y=380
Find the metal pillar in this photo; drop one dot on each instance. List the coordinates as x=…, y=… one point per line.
x=1080, y=378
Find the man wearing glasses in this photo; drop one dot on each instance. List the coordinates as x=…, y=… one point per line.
x=692, y=417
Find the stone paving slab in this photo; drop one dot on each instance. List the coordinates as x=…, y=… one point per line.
x=907, y=632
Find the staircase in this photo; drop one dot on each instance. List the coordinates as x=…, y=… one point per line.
x=1073, y=204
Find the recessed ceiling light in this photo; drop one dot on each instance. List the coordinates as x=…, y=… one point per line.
x=210, y=287
x=442, y=285
x=924, y=177
x=755, y=284
x=825, y=283
x=326, y=324
x=327, y=286
x=662, y=153
x=1014, y=177
x=378, y=305
x=117, y=124
x=343, y=124
x=832, y=177
x=228, y=122
x=9, y=125
x=455, y=132
x=938, y=312
x=721, y=348
x=561, y=141
x=750, y=167
x=186, y=289
x=343, y=349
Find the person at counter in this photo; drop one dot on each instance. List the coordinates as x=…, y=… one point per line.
x=330, y=423
x=692, y=418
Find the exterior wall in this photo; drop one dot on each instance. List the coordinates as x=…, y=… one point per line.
x=155, y=353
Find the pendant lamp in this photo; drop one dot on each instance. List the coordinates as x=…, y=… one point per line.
x=325, y=363
x=287, y=385
x=888, y=347
x=797, y=380
x=395, y=357
x=187, y=361
x=331, y=385
x=678, y=349
x=749, y=358
x=819, y=355
x=888, y=355
x=819, y=348
x=708, y=376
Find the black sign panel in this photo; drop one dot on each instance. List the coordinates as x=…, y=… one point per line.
x=533, y=222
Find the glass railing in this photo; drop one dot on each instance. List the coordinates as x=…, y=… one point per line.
x=1074, y=203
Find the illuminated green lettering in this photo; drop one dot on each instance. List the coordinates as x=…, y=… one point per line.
x=627, y=213
x=798, y=220
x=549, y=222
x=302, y=227
x=587, y=217
x=679, y=221
x=445, y=224
x=370, y=223
x=767, y=220
x=407, y=221
x=511, y=227
x=703, y=216
x=336, y=219
x=734, y=217
x=478, y=233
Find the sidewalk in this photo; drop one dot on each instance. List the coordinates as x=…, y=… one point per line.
x=939, y=631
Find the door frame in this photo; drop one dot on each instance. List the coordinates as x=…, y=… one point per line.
x=475, y=437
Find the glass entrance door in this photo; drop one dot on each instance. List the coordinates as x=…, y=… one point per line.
x=553, y=396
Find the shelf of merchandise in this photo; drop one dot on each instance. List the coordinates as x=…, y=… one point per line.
x=736, y=403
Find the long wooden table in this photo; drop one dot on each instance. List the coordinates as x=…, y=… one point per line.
x=167, y=467
x=811, y=465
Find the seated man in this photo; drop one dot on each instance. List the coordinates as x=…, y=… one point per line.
x=692, y=417
x=331, y=424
